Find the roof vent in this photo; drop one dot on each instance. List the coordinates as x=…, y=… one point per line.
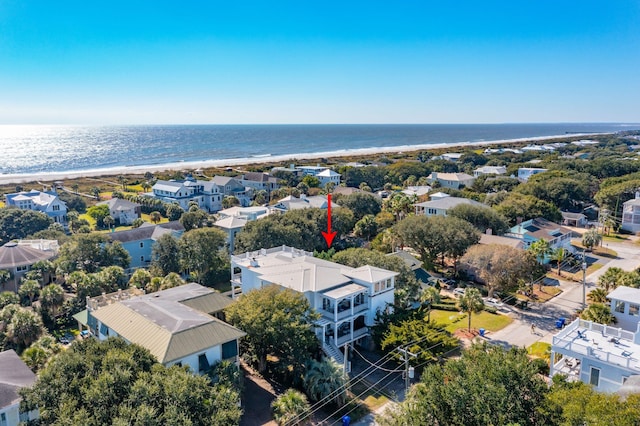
x=253, y=262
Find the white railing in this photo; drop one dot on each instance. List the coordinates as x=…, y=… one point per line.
x=264, y=252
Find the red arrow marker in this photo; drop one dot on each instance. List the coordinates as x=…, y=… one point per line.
x=329, y=236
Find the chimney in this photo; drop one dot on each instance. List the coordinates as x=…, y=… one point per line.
x=518, y=220
x=489, y=231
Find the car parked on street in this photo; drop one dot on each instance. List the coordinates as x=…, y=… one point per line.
x=493, y=302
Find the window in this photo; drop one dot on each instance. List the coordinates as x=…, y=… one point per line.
x=104, y=330
x=595, y=377
x=203, y=363
x=633, y=310
x=229, y=350
x=3, y=419
x=141, y=244
x=21, y=268
x=619, y=306
x=141, y=258
x=56, y=208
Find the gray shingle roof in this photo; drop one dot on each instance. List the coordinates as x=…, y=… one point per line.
x=145, y=232
x=14, y=254
x=14, y=374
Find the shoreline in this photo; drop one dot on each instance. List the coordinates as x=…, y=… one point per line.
x=18, y=178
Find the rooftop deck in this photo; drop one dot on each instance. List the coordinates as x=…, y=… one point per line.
x=608, y=344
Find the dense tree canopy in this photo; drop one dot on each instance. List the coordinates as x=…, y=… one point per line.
x=90, y=252
x=278, y=322
x=17, y=223
x=202, y=254
x=165, y=255
x=517, y=206
x=111, y=382
x=487, y=386
x=481, y=217
x=566, y=190
x=361, y=204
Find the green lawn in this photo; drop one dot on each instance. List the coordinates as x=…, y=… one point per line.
x=540, y=350
x=146, y=218
x=457, y=320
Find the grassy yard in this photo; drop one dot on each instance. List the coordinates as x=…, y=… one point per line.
x=615, y=238
x=457, y=320
x=598, y=251
x=539, y=350
x=146, y=218
x=590, y=269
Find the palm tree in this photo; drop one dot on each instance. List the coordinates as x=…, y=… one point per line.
x=108, y=221
x=75, y=187
x=471, y=303
x=35, y=357
x=24, y=328
x=598, y=312
x=171, y=280
x=290, y=408
x=95, y=191
x=559, y=255
x=123, y=182
x=52, y=298
x=591, y=239
x=30, y=289
x=146, y=186
x=430, y=295
x=540, y=250
x=155, y=217
x=5, y=276
x=611, y=278
x=598, y=295
x=324, y=378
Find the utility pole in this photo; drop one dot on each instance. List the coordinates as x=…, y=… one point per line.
x=405, y=355
x=344, y=367
x=584, y=279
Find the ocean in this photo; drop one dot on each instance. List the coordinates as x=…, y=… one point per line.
x=28, y=150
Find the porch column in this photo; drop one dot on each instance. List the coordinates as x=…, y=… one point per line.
x=552, y=363
x=335, y=312
x=335, y=334
x=352, y=299
x=351, y=326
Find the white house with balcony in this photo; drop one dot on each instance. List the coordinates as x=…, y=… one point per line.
x=179, y=326
x=490, y=170
x=328, y=176
x=631, y=214
x=524, y=173
x=207, y=194
x=45, y=202
x=602, y=355
x=347, y=298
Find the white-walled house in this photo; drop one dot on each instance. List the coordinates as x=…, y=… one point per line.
x=207, y=194
x=440, y=205
x=524, y=173
x=347, y=298
x=631, y=214
x=14, y=375
x=45, y=202
x=489, y=170
x=602, y=355
x=451, y=180
x=328, y=176
x=179, y=326
x=124, y=211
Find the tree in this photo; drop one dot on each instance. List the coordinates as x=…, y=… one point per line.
x=174, y=211
x=112, y=382
x=500, y=268
x=35, y=357
x=123, y=182
x=202, y=251
x=407, y=287
x=565, y=189
x=611, y=278
x=481, y=217
x=598, y=312
x=591, y=239
x=290, y=408
x=137, y=222
x=155, y=217
x=108, y=221
x=278, y=322
x=426, y=339
x=52, y=298
x=429, y=296
x=165, y=255
x=311, y=181
x=325, y=379
x=99, y=212
x=541, y=249
x=140, y=278
x=488, y=385
x=44, y=268
x=24, y=328
x=29, y=289
x=558, y=256
x=5, y=276
x=90, y=252
x=170, y=281
x=399, y=204
x=471, y=303
x=366, y=227
x=597, y=295
x=17, y=224
x=361, y=204
x=146, y=186
x=95, y=191
x=230, y=201
x=518, y=206
x=194, y=219
x=75, y=187
x=8, y=298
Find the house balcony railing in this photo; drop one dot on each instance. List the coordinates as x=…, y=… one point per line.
x=350, y=337
x=346, y=313
x=236, y=278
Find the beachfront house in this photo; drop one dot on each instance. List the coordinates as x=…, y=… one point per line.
x=451, y=180
x=207, y=194
x=14, y=375
x=604, y=356
x=179, y=326
x=259, y=181
x=138, y=242
x=533, y=230
x=524, y=173
x=489, y=170
x=347, y=298
x=232, y=187
x=631, y=214
x=123, y=211
x=19, y=257
x=45, y=202
x=440, y=206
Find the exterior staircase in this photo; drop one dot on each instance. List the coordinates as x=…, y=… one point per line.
x=332, y=351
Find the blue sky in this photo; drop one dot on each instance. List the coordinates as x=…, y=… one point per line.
x=87, y=62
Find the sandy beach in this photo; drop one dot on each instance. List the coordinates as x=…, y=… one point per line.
x=234, y=162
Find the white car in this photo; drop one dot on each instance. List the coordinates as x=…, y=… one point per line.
x=458, y=291
x=491, y=301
